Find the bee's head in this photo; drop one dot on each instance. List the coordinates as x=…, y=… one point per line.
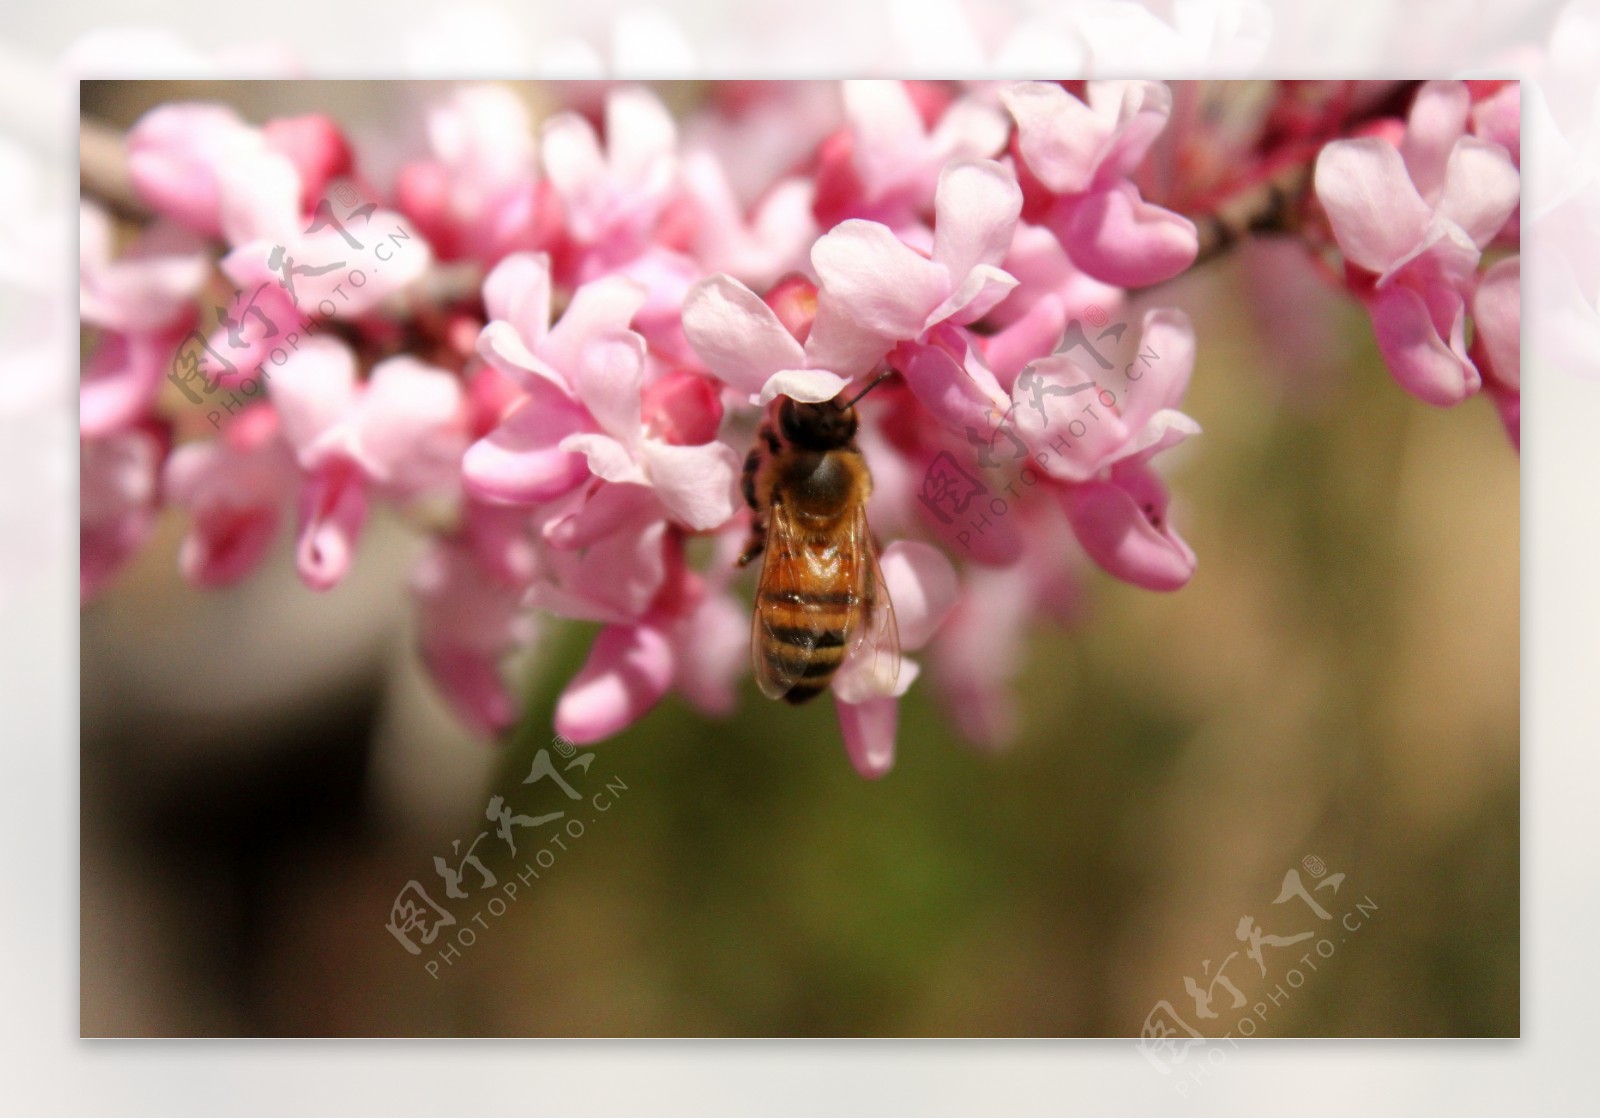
x=824, y=426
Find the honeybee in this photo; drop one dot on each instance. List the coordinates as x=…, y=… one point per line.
x=821, y=595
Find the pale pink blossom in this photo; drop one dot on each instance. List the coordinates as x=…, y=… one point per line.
x=399, y=434
x=585, y=415
x=469, y=618
x=1414, y=222
x=1084, y=155
x=479, y=197
x=117, y=503
x=236, y=489
x=897, y=293
x=142, y=303
x=886, y=165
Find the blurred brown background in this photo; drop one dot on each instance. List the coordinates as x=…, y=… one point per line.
x=263, y=769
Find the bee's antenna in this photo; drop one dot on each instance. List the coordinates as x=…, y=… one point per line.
x=876, y=381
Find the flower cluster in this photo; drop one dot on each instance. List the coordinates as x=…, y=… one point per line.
x=551, y=348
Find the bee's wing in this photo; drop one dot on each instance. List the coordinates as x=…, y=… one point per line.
x=873, y=633
x=786, y=564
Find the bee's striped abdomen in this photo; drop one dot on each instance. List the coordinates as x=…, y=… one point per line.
x=805, y=637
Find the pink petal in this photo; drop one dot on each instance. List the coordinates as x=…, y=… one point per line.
x=839, y=343
x=957, y=397
x=608, y=509
x=411, y=425
x=1438, y=118
x=628, y=671
x=923, y=587
x=603, y=307
x=607, y=458
x=502, y=345
x=1377, y=215
x=314, y=390
x=1060, y=138
x=982, y=289
x=976, y=208
x=738, y=336
x=1497, y=314
x=696, y=485
x=1122, y=525
x=1119, y=238
x=235, y=499
x=609, y=380
x=714, y=648
x=517, y=291
x=877, y=279
x=173, y=152
x=520, y=462
x=1426, y=365
x=1481, y=188
x=470, y=681
x=810, y=385
x=333, y=508
x=640, y=135
x=868, y=730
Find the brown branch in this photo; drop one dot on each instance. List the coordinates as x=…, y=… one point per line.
x=103, y=171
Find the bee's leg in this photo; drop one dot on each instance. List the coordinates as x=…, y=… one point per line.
x=757, y=543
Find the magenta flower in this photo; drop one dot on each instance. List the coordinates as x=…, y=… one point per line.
x=1084, y=155
x=1415, y=222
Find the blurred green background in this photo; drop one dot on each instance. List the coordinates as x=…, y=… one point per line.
x=264, y=769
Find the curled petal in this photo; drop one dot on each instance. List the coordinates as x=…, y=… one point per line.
x=609, y=381
x=1059, y=136
x=521, y=461
x=1123, y=526
x=517, y=291
x=1438, y=118
x=607, y=458
x=602, y=308
x=333, y=508
x=1119, y=238
x=1427, y=366
x=313, y=390
x=1497, y=313
x=868, y=729
x=809, y=385
x=1481, y=188
x=629, y=669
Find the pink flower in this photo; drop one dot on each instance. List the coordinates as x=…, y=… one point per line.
x=480, y=196
x=891, y=290
x=399, y=434
x=1415, y=222
x=143, y=303
x=923, y=587
x=235, y=489
x=885, y=168
x=1084, y=155
x=469, y=619
x=743, y=342
x=178, y=155
x=694, y=637
x=117, y=503
x=758, y=249
x=585, y=412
